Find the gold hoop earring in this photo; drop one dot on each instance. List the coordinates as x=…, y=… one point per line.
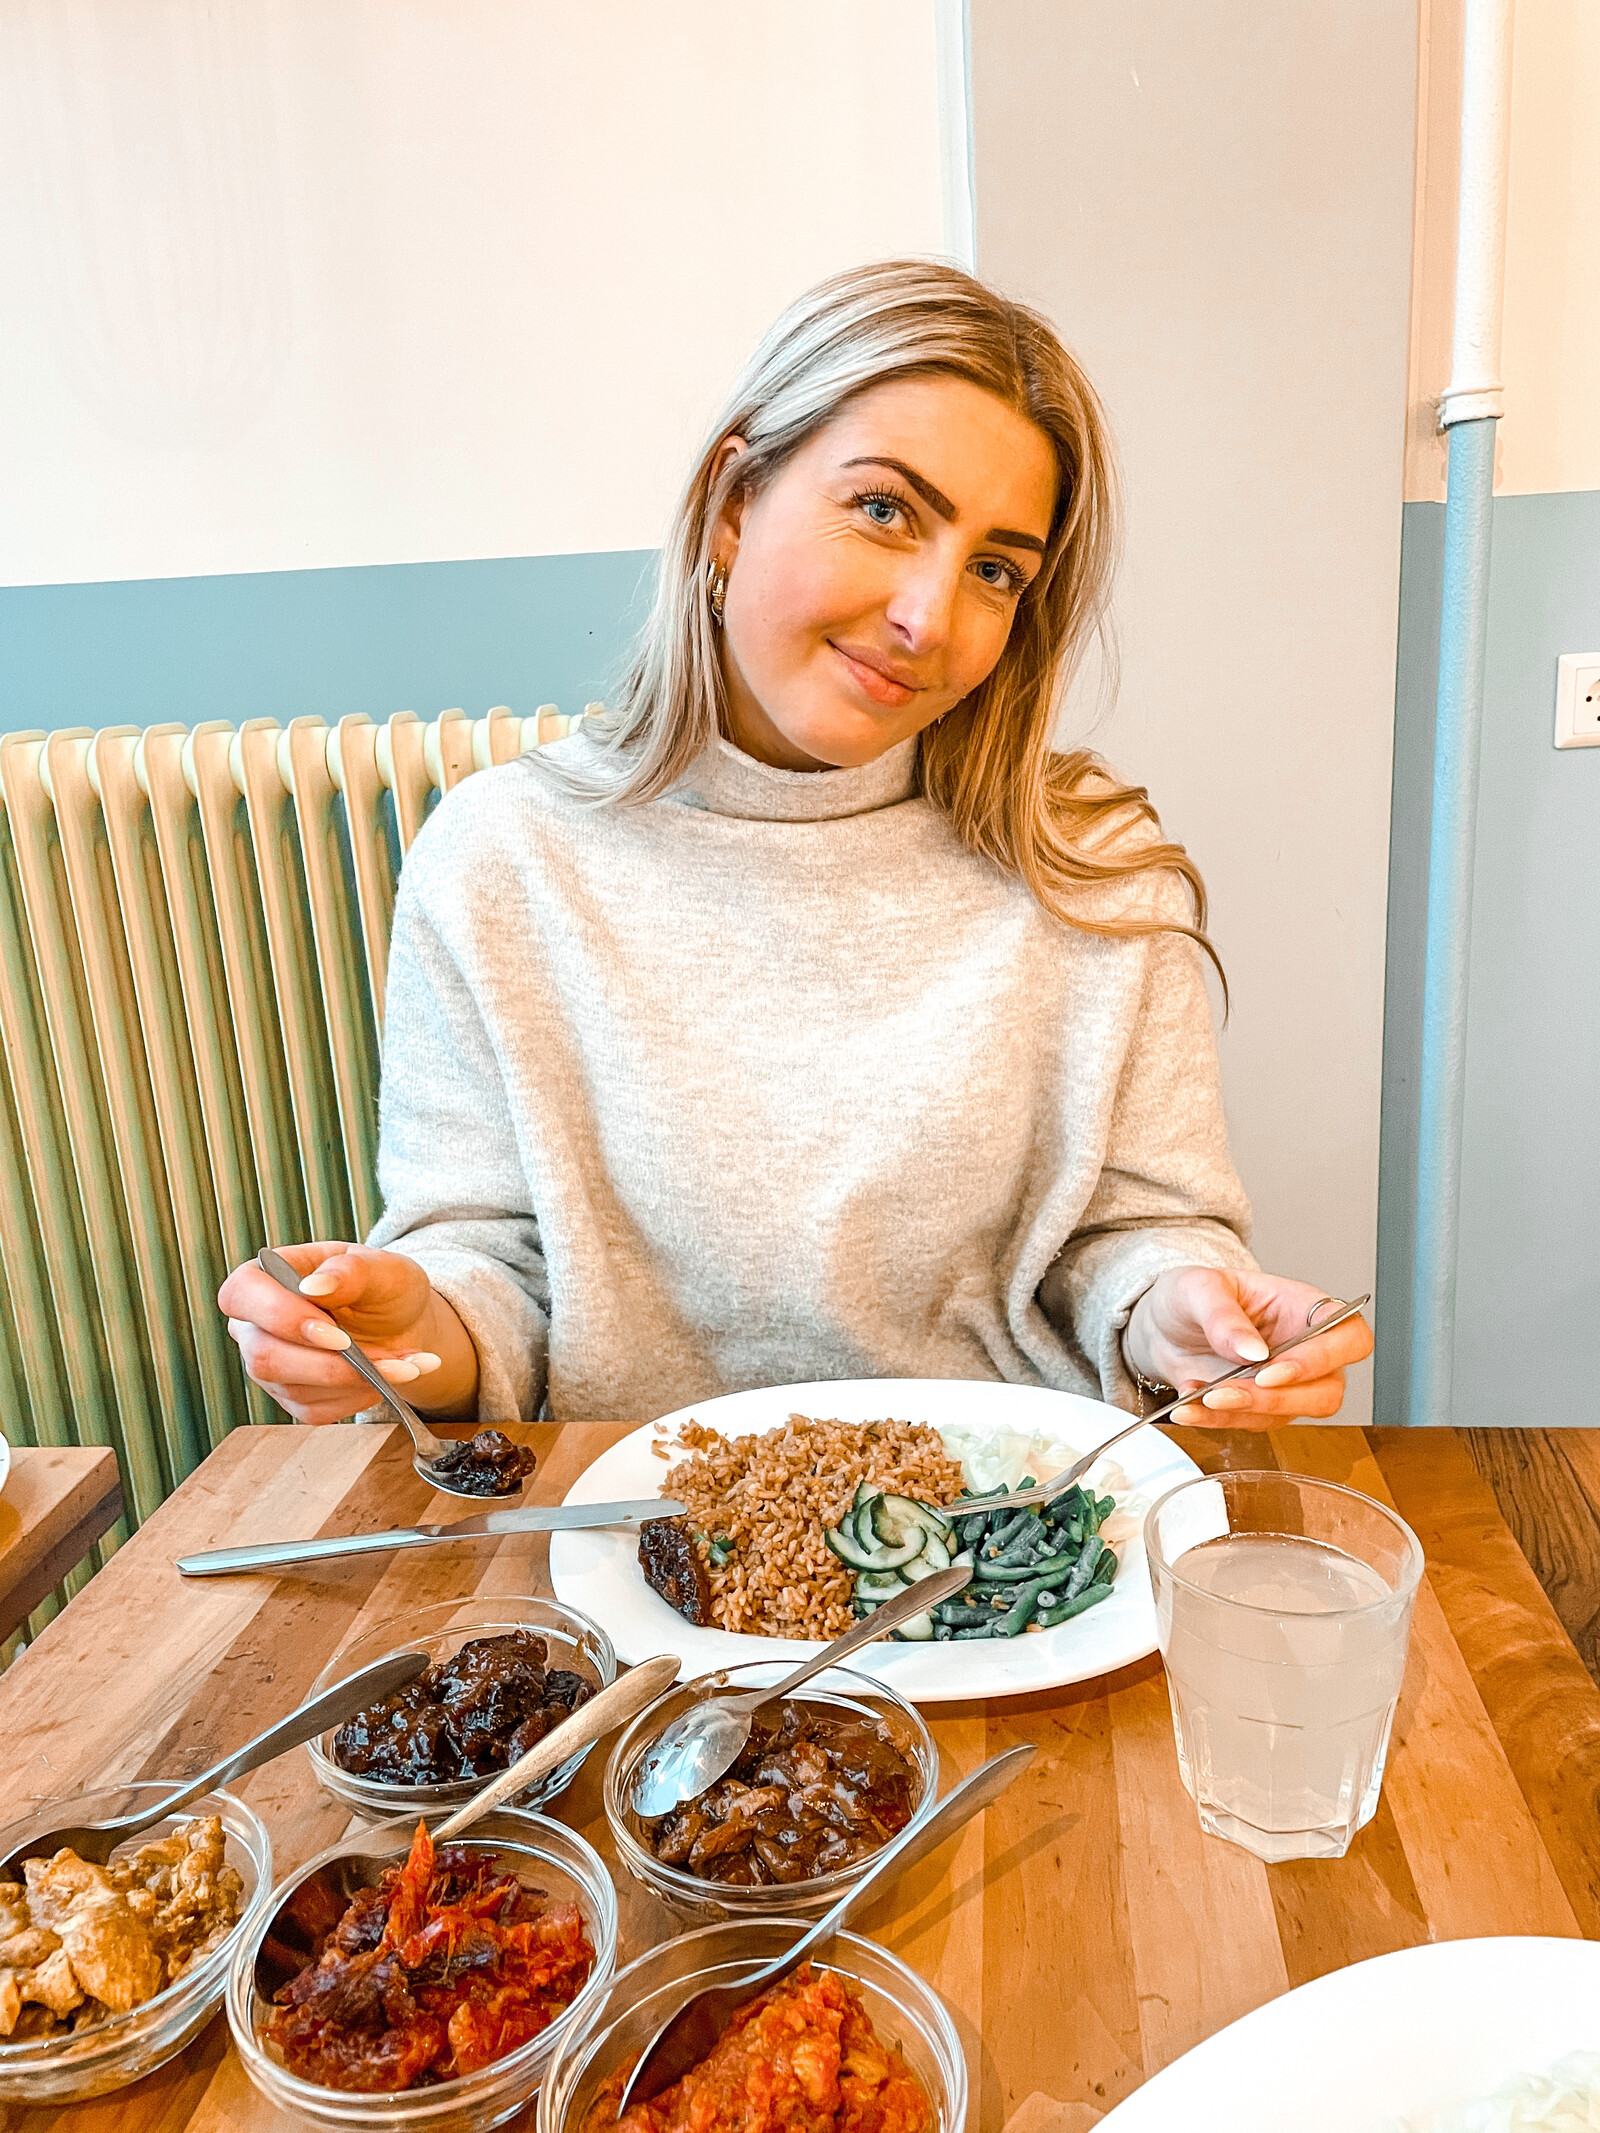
x=716, y=589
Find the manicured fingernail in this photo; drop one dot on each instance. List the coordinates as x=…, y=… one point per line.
x=398, y=1372
x=1226, y=1396
x=1252, y=1349
x=422, y=1362
x=321, y=1335
x=1279, y=1374
x=318, y=1284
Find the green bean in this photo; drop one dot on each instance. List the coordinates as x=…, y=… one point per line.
x=1083, y=1570
x=1017, y=1550
x=962, y=1612
x=1053, y=1566
x=968, y=1636
x=1090, y=1597
x=1017, y=1617
x=1105, y=1507
x=1106, y=1569
x=1007, y=1533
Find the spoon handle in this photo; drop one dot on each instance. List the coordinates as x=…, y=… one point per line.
x=334, y=1705
x=915, y=1600
x=614, y=1706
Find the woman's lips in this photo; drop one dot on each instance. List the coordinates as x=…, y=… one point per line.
x=882, y=688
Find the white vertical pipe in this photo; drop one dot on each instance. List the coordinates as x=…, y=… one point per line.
x=1469, y=409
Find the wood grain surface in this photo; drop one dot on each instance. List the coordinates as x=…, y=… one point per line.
x=58, y=1501
x=1084, y=1933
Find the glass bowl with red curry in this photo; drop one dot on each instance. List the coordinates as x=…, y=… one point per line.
x=828, y=1777
x=394, y=1984
x=881, y=2037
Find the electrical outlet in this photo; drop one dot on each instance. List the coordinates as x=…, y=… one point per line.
x=1578, y=700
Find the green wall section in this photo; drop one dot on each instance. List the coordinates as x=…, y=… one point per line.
x=1528, y=1295
x=379, y=638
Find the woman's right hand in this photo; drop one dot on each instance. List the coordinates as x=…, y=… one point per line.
x=383, y=1300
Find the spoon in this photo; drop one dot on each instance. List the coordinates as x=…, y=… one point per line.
x=431, y=1455
x=1058, y=1484
x=685, y=2038
x=96, y=1841
x=705, y=1742
x=315, y=1904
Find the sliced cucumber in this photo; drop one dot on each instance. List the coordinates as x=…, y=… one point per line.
x=850, y=1551
x=919, y=1630
x=879, y=1584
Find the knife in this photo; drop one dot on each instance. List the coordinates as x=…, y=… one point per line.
x=528, y=1518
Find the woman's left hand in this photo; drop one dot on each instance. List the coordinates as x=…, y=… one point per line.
x=1194, y=1322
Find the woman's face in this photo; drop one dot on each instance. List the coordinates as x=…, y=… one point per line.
x=873, y=582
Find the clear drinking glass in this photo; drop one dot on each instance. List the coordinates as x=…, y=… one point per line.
x=1283, y=1611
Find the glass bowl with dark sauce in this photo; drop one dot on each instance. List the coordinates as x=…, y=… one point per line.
x=505, y=1670
x=828, y=1777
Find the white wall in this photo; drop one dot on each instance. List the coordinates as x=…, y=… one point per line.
x=1549, y=436
x=1214, y=204
x=294, y=283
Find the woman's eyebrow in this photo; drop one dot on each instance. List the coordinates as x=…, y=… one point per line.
x=1007, y=536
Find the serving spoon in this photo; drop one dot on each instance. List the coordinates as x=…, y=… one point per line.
x=96, y=1841
x=1058, y=1484
x=432, y=1457
x=705, y=1743
x=686, y=2037
x=307, y=1913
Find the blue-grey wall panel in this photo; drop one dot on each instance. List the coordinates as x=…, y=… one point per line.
x=1528, y=1299
x=521, y=630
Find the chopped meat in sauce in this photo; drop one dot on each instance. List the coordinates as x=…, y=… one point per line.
x=803, y=2058
x=673, y=1568
x=441, y=1969
x=80, y=1942
x=488, y=1464
x=464, y=1718
x=812, y=1791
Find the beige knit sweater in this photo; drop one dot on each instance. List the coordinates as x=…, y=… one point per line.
x=771, y=1080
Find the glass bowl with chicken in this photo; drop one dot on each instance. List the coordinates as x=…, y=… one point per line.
x=106, y=1972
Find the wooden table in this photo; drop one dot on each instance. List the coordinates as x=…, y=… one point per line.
x=1084, y=1933
x=58, y=1501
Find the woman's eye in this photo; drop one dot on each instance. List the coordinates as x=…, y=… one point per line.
x=882, y=510
x=1000, y=575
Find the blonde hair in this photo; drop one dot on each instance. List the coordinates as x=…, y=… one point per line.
x=1061, y=822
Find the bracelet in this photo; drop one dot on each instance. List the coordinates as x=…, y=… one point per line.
x=1159, y=1392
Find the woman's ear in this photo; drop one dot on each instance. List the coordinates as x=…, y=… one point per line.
x=725, y=533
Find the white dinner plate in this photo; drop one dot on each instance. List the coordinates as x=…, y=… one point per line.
x=599, y=1571
x=1399, y=2038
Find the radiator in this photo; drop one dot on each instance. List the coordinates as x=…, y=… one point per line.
x=194, y=930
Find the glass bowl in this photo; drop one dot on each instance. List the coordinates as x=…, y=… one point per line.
x=68, y=2068
x=694, y=1899
x=576, y=1643
x=904, y=2011
x=543, y=1854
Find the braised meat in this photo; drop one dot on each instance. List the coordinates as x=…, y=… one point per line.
x=488, y=1464
x=811, y=1792
x=673, y=1568
x=464, y=1718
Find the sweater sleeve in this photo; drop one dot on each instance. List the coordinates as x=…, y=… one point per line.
x=454, y=1186
x=1168, y=1194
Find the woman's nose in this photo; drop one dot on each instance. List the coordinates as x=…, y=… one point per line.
x=922, y=607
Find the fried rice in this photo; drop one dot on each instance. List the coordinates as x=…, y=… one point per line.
x=758, y=1507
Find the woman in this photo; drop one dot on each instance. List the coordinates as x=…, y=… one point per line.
x=807, y=1016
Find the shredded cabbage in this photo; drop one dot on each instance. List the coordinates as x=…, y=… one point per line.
x=1564, y=2100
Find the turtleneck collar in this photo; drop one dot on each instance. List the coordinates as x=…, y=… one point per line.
x=726, y=781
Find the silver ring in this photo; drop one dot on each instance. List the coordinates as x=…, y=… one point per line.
x=1322, y=1304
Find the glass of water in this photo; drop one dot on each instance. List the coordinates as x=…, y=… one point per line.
x=1283, y=1611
